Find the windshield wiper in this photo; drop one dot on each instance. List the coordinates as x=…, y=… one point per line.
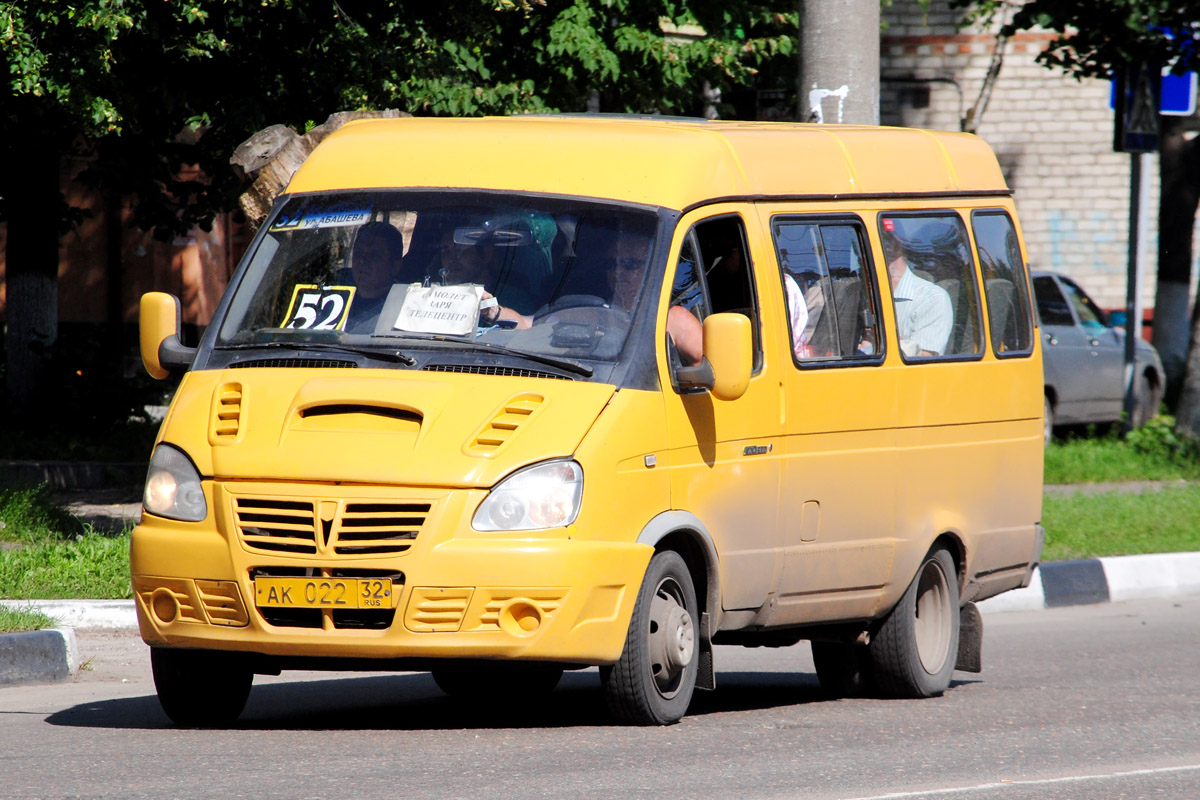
x=488, y=347
x=395, y=357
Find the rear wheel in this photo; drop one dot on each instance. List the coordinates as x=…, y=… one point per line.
x=201, y=688
x=913, y=652
x=843, y=669
x=653, y=682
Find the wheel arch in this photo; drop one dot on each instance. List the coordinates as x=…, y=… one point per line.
x=686, y=535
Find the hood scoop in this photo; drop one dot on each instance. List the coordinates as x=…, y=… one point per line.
x=335, y=417
x=504, y=425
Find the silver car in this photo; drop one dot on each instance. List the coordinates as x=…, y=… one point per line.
x=1084, y=358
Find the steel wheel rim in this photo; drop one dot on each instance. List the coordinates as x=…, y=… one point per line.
x=931, y=628
x=671, y=637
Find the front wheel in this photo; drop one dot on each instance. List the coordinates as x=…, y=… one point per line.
x=913, y=652
x=653, y=681
x=201, y=688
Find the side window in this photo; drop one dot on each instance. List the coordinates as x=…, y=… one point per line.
x=934, y=293
x=1091, y=318
x=713, y=276
x=1052, y=307
x=830, y=297
x=1004, y=284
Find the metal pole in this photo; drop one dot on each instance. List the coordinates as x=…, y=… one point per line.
x=1138, y=225
x=838, y=76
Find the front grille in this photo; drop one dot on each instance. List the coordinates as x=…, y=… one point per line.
x=296, y=363
x=476, y=369
x=353, y=528
x=276, y=526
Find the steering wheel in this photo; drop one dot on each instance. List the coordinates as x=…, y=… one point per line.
x=570, y=301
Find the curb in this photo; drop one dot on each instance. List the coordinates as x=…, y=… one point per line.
x=51, y=655
x=1103, y=580
x=45, y=656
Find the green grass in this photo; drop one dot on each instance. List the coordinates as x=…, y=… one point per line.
x=1151, y=453
x=49, y=554
x=14, y=620
x=1080, y=525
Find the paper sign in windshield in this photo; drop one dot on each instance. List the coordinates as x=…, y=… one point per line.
x=318, y=308
x=341, y=215
x=452, y=310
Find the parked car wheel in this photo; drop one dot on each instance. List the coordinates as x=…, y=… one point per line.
x=1048, y=421
x=1145, y=401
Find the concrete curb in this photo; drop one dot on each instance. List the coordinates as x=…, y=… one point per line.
x=51, y=655
x=1103, y=580
x=42, y=656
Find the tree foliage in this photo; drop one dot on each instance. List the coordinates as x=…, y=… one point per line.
x=160, y=93
x=1097, y=36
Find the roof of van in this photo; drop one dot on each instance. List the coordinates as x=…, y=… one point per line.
x=658, y=161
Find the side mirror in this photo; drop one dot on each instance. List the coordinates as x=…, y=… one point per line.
x=160, y=319
x=728, y=358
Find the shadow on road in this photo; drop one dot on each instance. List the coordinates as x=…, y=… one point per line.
x=413, y=702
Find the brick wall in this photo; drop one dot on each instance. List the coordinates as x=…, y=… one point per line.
x=1052, y=134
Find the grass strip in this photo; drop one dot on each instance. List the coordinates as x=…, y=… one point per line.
x=1088, y=525
x=15, y=620
x=1152, y=452
x=92, y=565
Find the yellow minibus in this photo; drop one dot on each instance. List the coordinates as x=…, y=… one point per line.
x=497, y=398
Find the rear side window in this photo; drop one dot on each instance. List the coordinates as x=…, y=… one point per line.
x=1010, y=318
x=830, y=298
x=934, y=294
x=1052, y=306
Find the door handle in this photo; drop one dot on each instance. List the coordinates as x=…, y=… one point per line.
x=1094, y=342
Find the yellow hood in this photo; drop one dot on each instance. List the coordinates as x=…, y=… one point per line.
x=376, y=426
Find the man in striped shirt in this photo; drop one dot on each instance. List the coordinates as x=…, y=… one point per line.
x=924, y=313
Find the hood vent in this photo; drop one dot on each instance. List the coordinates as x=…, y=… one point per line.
x=500, y=430
x=508, y=372
x=299, y=363
x=226, y=424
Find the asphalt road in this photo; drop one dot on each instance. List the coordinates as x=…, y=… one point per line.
x=1085, y=702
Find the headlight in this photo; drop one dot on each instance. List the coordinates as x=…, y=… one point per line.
x=173, y=486
x=538, y=497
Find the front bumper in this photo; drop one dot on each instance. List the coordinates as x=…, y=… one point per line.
x=457, y=593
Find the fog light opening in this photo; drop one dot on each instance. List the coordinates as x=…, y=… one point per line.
x=520, y=618
x=164, y=605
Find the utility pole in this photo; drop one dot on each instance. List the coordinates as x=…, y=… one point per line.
x=839, y=61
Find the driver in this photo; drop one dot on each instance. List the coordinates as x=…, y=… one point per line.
x=375, y=262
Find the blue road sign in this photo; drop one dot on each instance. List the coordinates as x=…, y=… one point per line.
x=1178, y=94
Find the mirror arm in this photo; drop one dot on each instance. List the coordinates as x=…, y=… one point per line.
x=174, y=354
x=698, y=377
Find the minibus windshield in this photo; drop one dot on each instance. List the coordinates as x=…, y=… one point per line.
x=403, y=270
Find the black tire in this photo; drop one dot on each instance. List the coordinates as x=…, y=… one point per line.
x=914, y=650
x=501, y=680
x=653, y=681
x=844, y=670
x=1145, y=401
x=201, y=688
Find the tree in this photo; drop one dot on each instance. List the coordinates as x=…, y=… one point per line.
x=159, y=94
x=1096, y=40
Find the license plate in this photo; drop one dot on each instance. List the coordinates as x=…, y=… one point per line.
x=323, y=592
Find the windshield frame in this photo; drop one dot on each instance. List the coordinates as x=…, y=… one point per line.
x=632, y=366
